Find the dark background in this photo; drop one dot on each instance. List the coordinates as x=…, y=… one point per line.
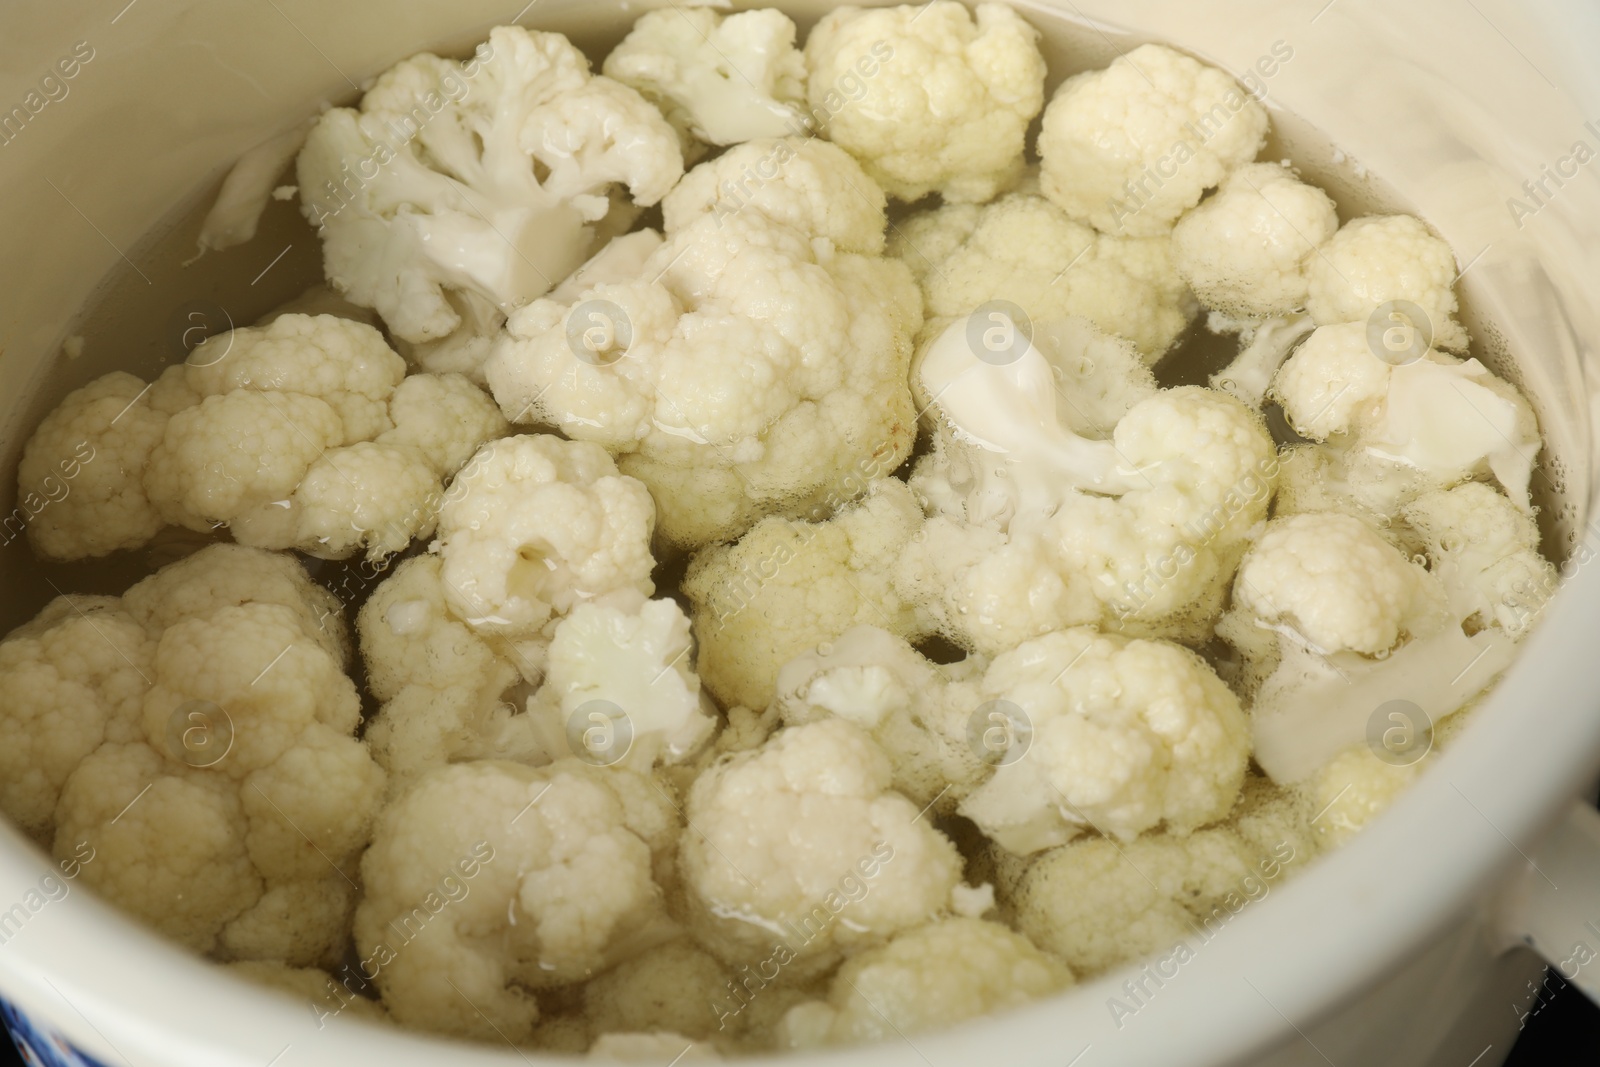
x=1565, y=1032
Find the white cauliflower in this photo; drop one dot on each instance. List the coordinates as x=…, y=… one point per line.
x=1372, y=261
x=925, y=979
x=1132, y=147
x=1034, y=527
x=823, y=192
x=750, y=367
x=535, y=525
x=800, y=852
x=1332, y=581
x=549, y=881
x=297, y=434
x=1426, y=423
x=632, y=659
x=718, y=79
x=675, y=986
x=1336, y=628
x=920, y=713
x=74, y=677
x=454, y=676
x=460, y=191
x=1096, y=903
x=1125, y=735
x=787, y=586
x=229, y=799
x=82, y=507
x=951, y=111
x=1245, y=251
x=1485, y=551
x=1024, y=249
x=445, y=689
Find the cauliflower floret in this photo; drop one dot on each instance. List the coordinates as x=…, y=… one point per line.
x=535, y=525
x=1338, y=629
x=787, y=586
x=345, y=364
x=1245, y=250
x=195, y=734
x=429, y=200
x=1485, y=550
x=259, y=797
x=441, y=684
x=231, y=458
x=555, y=885
x=759, y=368
x=954, y=104
x=366, y=494
x=81, y=507
x=1356, y=785
x=1097, y=904
x=1377, y=259
x=919, y=713
x=633, y=659
x=1336, y=584
x=721, y=80
x=1024, y=249
x=1035, y=527
x=675, y=986
x=1125, y=735
x=443, y=416
x=1132, y=147
x=800, y=851
x=221, y=576
x=1426, y=423
x=822, y=192
x=925, y=979
x=297, y=434
x=73, y=677
x=177, y=858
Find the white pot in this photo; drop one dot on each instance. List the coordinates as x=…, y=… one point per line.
x=1395, y=951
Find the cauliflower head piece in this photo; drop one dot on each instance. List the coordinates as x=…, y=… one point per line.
x=80, y=508
x=303, y=433
x=1408, y=422
x=1027, y=251
x=1110, y=734
x=1035, y=525
x=719, y=79
x=920, y=713
x=787, y=586
x=750, y=368
x=490, y=879
x=228, y=808
x=1338, y=628
x=533, y=526
x=1374, y=260
x=927, y=98
x=459, y=191
x=74, y=678
x=800, y=851
x=1245, y=251
x=925, y=979
x=1096, y=904
x=1131, y=148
